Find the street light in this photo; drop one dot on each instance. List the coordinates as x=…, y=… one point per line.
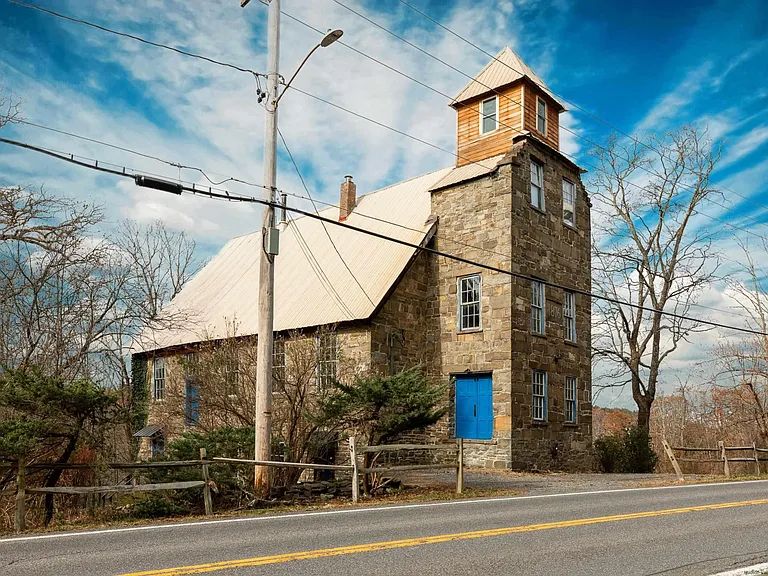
x=327, y=40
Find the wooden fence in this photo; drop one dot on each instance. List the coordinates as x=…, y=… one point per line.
x=721, y=457
x=21, y=491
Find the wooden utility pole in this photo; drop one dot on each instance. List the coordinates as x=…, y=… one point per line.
x=267, y=253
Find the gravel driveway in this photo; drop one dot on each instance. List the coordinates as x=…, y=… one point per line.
x=544, y=483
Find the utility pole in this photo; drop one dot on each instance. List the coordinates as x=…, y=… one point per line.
x=266, y=297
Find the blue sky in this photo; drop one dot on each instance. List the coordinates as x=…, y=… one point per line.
x=641, y=66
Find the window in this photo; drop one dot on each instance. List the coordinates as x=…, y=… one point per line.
x=489, y=115
x=569, y=316
x=537, y=185
x=158, y=445
x=538, y=322
x=158, y=379
x=469, y=302
x=191, y=392
x=539, y=404
x=571, y=395
x=327, y=350
x=569, y=202
x=232, y=373
x=278, y=360
x=541, y=116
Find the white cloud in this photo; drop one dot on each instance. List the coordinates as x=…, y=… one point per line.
x=745, y=145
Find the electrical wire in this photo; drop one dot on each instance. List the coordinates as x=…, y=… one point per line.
x=134, y=37
x=510, y=99
x=328, y=234
x=238, y=198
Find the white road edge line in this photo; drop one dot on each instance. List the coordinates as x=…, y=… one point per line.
x=755, y=570
x=266, y=518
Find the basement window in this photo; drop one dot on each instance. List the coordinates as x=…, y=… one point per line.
x=469, y=290
x=489, y=115
x=541, y=116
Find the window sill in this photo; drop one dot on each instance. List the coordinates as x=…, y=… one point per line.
x=537, y=209
x=570, y=424
x=571, y=343
x=538, y=335
x=491, y=442
x=541, y=423
x=569, y=225
x=469, y=331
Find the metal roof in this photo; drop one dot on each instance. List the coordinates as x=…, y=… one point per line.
x=225, y=290
x=469, y=171
x=505, y=68
x=148, y=431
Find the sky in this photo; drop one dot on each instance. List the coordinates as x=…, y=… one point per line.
x=642, y=67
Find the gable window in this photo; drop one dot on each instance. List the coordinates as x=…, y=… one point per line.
x=278, y=360
x=158, y=379
x=489, y=115
x=538, y=322
x=541, y=116
x=539, y=395
x=327, y=351
x=571, y=395
x=537, y=185
x=569, y=316
x=569, y=202
x=469, y=290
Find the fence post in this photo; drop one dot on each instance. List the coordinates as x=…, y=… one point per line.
x=757, y=460
x=460, y=466
x=672, y=459
x=20, y=515
x=726, y=468
x=355, y=471
x=207, y=488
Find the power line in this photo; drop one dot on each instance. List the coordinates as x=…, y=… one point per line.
x=238, y=198
x=570, y=102
x=137, y=38
x=510, y=99
x=306, y=189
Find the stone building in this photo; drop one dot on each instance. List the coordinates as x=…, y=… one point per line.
x=516, y=350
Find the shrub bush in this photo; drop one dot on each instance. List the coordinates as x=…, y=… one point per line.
x=629, y=451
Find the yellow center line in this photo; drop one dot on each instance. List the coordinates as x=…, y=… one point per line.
x=392, y=544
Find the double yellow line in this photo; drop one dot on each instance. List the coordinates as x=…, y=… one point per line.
x=410, y=542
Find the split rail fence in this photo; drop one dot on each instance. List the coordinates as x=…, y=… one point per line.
x=355, y=468
x=721, y=456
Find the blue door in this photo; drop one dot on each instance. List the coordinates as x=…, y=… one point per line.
x=474, y=406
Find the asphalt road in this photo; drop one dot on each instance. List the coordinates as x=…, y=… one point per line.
x=671, y=531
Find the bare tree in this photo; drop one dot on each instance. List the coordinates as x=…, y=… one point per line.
x=650, y=254
x=9, y=108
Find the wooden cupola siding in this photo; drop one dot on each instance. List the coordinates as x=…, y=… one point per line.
x=472, y=146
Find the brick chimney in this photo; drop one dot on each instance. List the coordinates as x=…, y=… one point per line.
x=348, y=197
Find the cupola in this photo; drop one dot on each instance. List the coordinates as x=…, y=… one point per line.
x=504, y=100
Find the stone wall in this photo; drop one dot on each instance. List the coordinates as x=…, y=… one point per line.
x=545, y=247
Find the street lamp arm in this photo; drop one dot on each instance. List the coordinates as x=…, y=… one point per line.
x=287, y=84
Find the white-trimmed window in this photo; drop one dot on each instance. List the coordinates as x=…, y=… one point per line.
x=569, y=202
x=539, y=395
x=469, y=290
x=538, y=308
x=489, y=115
x=278, y=360
x=537, y=184
x=569, y=316
x=571, y=399
x=541, y=116
x=158, y=379
x=327, y=351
